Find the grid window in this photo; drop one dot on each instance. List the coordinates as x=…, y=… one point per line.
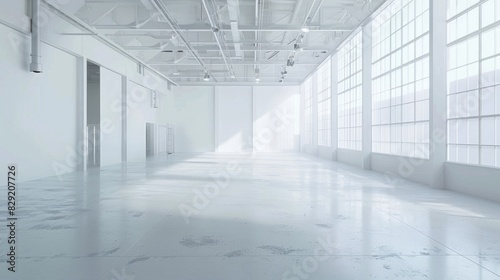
x=474, y=82
x=324, y=74
x=350, y=92
x=400, y=86
x=308, y=122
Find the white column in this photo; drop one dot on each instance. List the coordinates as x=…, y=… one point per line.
x=367, y=95
x=216, y=117
x=334, y=90
x=124, y=117
x=315, y=114
x=302, y=120
x=82, y=142
x=438, y=117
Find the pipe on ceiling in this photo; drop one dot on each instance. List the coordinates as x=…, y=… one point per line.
x=160, y=7
x=216, y=30
x=233, y=11
x=102, y=38
x=36, y=52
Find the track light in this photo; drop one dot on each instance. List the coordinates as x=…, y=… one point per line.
x=257, y=76
x=297, y=48
x=206, y=78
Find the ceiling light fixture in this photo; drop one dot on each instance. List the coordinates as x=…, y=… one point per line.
x=206, y=77
x=305, y=29
x=297, y=48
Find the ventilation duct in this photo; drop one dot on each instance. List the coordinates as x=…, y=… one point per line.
x=36, y=57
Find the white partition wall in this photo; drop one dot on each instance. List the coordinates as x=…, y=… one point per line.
x=236, y=119
x=194, y=119
x=111, y=117
x=233, y=109
x=42, y=142
x=276, y=119
x=48, y=140
x=140, y=110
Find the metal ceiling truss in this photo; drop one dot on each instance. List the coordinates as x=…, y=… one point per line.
x=231, y=41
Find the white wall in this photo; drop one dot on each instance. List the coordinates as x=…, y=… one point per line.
x=194, y=119
x=43, y=134
x=233, y=115
x=350, y=157
x=276, y=118
x=140, y=111
x=232, y=119
x=111, y=117
x=478, y=181
x=417, y=170
x=38, y=111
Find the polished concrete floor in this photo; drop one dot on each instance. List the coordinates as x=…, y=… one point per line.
x=275, y=216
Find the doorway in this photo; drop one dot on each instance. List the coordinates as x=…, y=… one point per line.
x=150, y=139
x=93, y=114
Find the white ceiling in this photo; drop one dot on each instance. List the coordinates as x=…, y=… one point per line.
x=230, y=39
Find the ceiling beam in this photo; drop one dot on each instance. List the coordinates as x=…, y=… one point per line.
x=207, y=28
x=233, y=11
x=162, y=9
x=262, y=75
x=158, y=47
x=202, y=83
x=221, y=43
x=235, y=62
x=117, y=2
